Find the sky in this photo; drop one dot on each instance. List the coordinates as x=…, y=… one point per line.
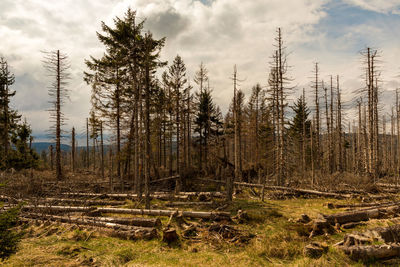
x=219, y=33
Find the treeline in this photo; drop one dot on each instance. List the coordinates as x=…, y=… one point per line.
x=164, y=124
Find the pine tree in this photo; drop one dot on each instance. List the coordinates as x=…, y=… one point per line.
x=8, y=117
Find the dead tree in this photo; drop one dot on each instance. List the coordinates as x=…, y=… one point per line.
x=339, y=126
x=317, y=114
x=73, y=146
x=57, y=66
x=87, y=144
x=102, y=149
x=278, y=83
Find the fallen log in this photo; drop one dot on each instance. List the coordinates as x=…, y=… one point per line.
x=359, y=205
x=161, y=196
x=45, y=208
x=177, y=204
x=361, y=215
x=89, y=202
x=388, y=185
x=193, y=214
x=372, y=252
x=136, y=221
x=134, y=232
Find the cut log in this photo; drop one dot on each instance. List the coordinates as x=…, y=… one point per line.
x=355, y=216
x=388, y=185
x=362, y=215
x=45, y=208
x=134, y=231
x=88, y=202
x=192, y=214
x=161, y=196
x=177, y=204
x=136, y=221
x=372, y=252
x=360, y=205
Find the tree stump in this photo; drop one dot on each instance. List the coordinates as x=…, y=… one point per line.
x=170, y=236
x=315, y=250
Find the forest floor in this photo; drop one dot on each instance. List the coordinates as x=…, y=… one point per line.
x=274, y=239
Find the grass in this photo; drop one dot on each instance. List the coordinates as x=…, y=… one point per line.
x=278, y=241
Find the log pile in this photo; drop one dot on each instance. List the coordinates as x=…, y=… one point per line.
x=151, y=212
x=120, y=230
x=362, y=246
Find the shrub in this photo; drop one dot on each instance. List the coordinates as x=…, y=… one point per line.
x=9, y=239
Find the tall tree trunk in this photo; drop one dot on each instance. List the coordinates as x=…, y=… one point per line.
x=87, y=144
x=73, y=146
x=58, y=121
x=102, y=149
x=339, y=126
x=147, y=129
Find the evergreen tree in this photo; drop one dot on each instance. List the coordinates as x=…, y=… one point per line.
x=15, y=152
x=22, y=156
x=8, y=117
x=208, y=120
x=300, y=119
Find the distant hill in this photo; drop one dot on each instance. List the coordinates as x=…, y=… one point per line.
x=40, y=146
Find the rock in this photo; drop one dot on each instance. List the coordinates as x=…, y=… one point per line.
x=315, y=250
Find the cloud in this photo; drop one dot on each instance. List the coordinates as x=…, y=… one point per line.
x=387, y=6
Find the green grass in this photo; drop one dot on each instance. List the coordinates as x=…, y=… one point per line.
x=278, y=241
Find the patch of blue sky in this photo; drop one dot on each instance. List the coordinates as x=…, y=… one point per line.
x=358, y=24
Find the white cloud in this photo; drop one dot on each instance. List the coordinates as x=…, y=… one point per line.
x=386, y=6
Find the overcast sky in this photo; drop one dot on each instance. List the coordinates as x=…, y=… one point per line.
x=219, y=33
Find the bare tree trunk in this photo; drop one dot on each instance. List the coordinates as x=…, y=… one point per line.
x=178, y=140
x=312, y=154
x=118, y=125
x=398, y=136
x=147, y=129
x=59, y=174
x=87, y=144
x=111, y=169
x=102, y=149
x=73, y=146
x=339, y=126
x=328, y=128
x=317, y=118
x=303, y=140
